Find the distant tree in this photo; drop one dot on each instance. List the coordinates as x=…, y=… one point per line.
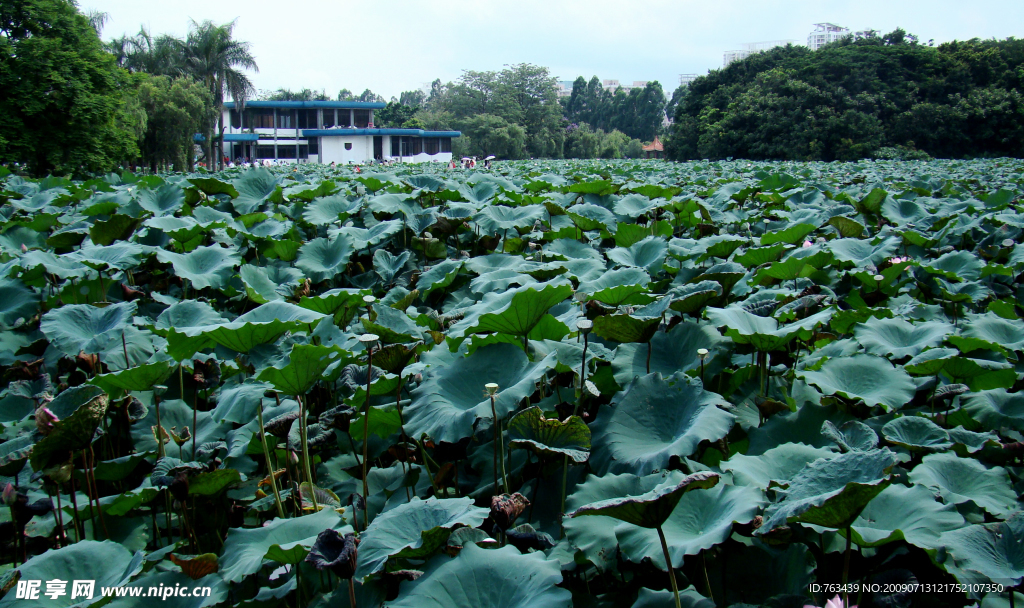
x=65, y=105
x=415, y=98
x=303, y=95
x=176, y=109
x=370, y=96
x=394, y=114
x=212, y=56
x=345, y=95
x=494, y=135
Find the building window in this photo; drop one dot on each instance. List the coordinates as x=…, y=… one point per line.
x=362, y=118
x=344, y=118
x=260, y=118
x=396, y=145
x=286, y=150
x=446, y=144
x=265, y=152
x=417, y=146
x=314, y=144
x=328, y=117
x=236, y=120
x=431, y=145
x=307, y=119
x=285, y=120
x=348, y=145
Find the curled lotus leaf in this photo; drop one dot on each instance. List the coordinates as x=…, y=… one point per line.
x=550, y=437
x=654, y=506
x=335, y=552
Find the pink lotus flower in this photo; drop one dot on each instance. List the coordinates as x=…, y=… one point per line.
x=835, y=602
x=10, y=495
x=807, y=243
x=45, y=420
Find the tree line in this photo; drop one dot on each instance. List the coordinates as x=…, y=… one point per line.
x=866, y=96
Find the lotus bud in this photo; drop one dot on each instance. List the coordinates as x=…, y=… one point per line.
x=45, y=420
x=584, y=325
x=10, y=495
x=492, y=388
x=293, y=457
x=702, y=353
x=506, y=508
x=24, y=249
x=807, y=243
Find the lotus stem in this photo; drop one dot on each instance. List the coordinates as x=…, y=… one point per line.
x=96, y=491
x=124, y=345
x=74, y=505
x=59, y=520
x=351, y=593
x=366, y=430
x=270, y=467
x=565, y=479
x=668, y=564
x=305, y=450
x=648, y=357
x=426, y=466
x=195, y=419
x=707, y=581
x=846, y=566
x=401, y=426
x=499, y=447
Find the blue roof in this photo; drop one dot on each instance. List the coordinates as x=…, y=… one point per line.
x=343, y=132
x=341, y=105
x=241, y=137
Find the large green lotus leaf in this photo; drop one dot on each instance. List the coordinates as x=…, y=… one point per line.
x=587, y=216
x=763, y=333
x=693, y=298
x=649, y=254
x=259, y=326
x=62, y=266
x=139, y=378
x=671, y=352
x=118, y=255
x=212, y=185
x=899, y=338
x=861, y=253
x=851, y=436
x=756, y=256
x=956, y=266
x=497, y=578
x=438, y=276
x=790, y=234
x=479, y=193
x=654, y=419
x=905, y=513
x=245, y=548
x=204, y=267
x=995, y=409
x=323, y=258
x=594, y=536
x=107, y=563
x=700, y=521
x=514, y=312
x=329, y=210
x=105, y=232
x=258, y=285
x=867, y=377
x=626, y=328
x=181, y=316
x=917, y=434
x=635, y=205
x=16, y=302
x=164, y=200
x=451, y=399
x=618, y=287
x=361, y=238
x=653, y=507
x=991, y=329
x=931, y=361
x=550, y=437
x=392, y=325
x=239, y=403
x=13, y=453
x=414, y=530
x=993, y=550
x=498, y=218
x=831, y=492
x=388, y=266
x=959, y=480
x=305, y=367
x=980, y=374
x=779, y=464
x=256, y=187
x=574, y=250
x=75, y=328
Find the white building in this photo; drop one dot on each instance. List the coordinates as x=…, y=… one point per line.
x=325, y=132
x=748, y=49
x=825, y=33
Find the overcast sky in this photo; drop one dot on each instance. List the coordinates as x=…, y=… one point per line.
x=399, y=45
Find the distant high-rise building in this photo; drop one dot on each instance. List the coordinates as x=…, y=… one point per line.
x=564, y=87
x=750, y=48
x=687, y=78
x=825, y=33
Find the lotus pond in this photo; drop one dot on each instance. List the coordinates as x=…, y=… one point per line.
x=549, y=384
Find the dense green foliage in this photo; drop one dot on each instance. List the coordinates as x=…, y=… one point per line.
x=176, y=109
x=870, y=96
x=548, y=384
x=65, y=106
x=639, y=114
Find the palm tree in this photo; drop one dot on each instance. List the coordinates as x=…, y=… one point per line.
x=214, y=58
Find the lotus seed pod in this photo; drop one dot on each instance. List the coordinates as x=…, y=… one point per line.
x=879, y=277
x=369, y=338
x=491, y=388
x=1008, y=243
x=369, y=300
x=585, y=325
x=702, y=352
